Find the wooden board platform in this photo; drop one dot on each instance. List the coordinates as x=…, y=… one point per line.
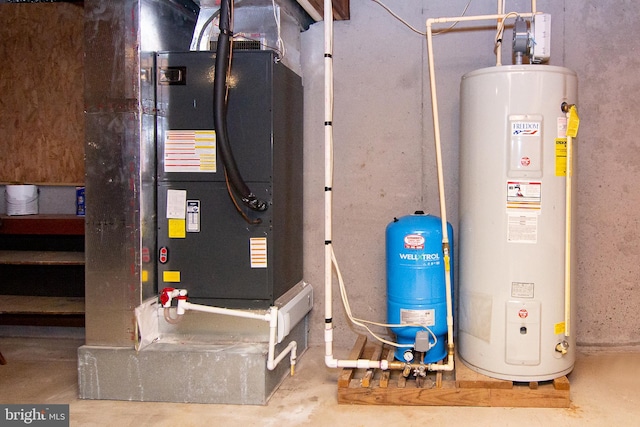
x=40, y=305
x=41, y=258
x=463, y=387
x=44, y=311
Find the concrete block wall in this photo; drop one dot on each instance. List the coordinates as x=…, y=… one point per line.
x=601, y=45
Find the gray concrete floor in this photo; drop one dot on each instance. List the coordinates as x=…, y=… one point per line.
x=604, y=391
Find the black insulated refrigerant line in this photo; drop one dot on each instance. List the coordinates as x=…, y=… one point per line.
x=222, y=65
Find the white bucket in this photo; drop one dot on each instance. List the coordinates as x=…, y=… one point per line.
x=21, y=199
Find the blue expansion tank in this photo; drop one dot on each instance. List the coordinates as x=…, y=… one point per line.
x=416, y=281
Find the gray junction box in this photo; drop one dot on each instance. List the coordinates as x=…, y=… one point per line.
x=204, y=245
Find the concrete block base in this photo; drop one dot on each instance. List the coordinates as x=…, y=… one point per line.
x=224, y=372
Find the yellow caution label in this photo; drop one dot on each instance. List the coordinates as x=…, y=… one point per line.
x=171, y=276
x=573, y=122
x=177, y=228
x=144, y=276
x=561, y=156
x=559, y=328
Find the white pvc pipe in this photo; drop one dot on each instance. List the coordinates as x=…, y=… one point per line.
x=449, y=366
x=499, y=25
x=186, y=305
x=500, y=17
x=432, y=21
x=273, y=361
x=329, y=358
x=292, y=347
x=330, y=361
x=568, y=236
x=441, y=191
x=270, y=316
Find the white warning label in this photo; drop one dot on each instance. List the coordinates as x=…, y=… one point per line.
x=524, y=195
x=258, y=252
x=522, y=227
x=190, y=151
x=522, y=290
x=418, y=317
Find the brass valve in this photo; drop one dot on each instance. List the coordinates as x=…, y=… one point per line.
x=562, y=347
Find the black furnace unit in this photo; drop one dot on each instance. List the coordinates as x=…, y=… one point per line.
x=205, y=245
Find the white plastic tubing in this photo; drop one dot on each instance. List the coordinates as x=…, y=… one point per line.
x=270, y=316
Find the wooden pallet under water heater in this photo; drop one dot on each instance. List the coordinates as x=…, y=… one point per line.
x=462, y=387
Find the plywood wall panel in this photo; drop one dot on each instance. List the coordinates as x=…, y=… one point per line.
x=41, y=93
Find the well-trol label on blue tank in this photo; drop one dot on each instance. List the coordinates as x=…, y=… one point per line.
x=421, y=257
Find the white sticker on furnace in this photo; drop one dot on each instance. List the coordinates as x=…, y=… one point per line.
x=418, y=317
x=193, y=216
x=190, y=151
x=176, y=204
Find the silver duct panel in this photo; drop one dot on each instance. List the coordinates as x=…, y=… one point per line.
x=119, y=158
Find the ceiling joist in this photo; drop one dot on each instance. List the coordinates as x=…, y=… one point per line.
x=315, y=8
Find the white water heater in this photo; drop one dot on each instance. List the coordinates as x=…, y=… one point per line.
x=512, y=312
